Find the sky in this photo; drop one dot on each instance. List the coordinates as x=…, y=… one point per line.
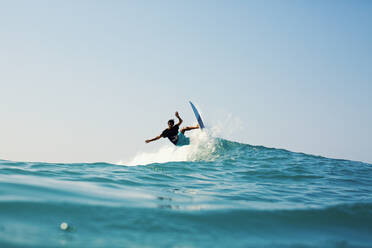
x=89, y=81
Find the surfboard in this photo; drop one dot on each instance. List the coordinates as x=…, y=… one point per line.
x=197, y=115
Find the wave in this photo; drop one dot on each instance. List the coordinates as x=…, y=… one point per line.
x=206, y=147
x=336, y=226
x=356, y=215
x=213, y=193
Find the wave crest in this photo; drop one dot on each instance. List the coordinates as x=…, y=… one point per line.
x=202, y=147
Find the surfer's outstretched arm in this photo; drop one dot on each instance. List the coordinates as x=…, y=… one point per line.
x=150, y=140
x=183, y=130
x=179, y=119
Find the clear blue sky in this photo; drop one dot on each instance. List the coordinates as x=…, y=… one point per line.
x=91, y=80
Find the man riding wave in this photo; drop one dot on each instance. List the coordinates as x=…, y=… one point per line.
x=173, y=134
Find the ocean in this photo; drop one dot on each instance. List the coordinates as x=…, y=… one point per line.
x=213, y=193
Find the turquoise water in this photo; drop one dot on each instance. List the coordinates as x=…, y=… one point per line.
x=226, y=194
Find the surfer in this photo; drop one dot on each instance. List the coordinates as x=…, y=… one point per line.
x=173, y=134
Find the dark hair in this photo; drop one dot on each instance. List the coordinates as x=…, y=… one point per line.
x=171, y=121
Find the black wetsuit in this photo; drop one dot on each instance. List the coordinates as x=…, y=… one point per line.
x=171, y=134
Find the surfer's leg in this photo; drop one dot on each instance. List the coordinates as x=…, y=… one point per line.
x=183, y=130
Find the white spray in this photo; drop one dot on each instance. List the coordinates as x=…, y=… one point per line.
x=202, y=145
x=201, y=148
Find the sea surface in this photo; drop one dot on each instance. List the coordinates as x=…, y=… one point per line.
x=215, y=193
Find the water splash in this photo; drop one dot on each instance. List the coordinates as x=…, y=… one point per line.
x=202, y=147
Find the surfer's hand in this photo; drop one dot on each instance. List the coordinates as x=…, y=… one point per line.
x=177, y=115
x=147, y=141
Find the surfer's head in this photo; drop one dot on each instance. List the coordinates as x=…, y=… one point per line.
x=170, y=123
